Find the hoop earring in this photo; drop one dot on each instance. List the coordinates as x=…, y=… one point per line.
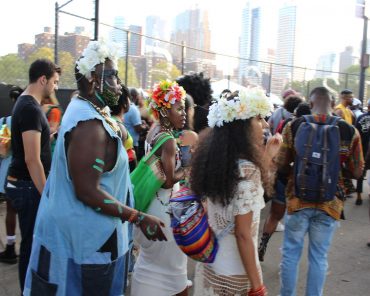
x=166, y=123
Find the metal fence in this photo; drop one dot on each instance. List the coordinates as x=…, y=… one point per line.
x=145, y=59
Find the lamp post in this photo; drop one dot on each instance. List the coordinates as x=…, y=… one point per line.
x=56, y=34
x=364, y=56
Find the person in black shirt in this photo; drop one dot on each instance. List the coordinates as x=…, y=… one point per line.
x=31, y=153
x=363, y=126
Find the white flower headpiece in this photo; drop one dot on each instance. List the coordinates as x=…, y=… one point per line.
x=250, y=103
x=96, y=53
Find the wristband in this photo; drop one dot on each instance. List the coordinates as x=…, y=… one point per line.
x=140, y=217
x=133, y=216
x=261, y=291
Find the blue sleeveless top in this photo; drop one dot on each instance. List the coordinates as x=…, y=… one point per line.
x=66, y=226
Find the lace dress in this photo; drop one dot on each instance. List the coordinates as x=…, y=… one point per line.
x=227, y=276
x=161, y=268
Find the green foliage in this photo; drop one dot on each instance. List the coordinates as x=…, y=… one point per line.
x=164, y=70
x=132, y=80
x=13, y=70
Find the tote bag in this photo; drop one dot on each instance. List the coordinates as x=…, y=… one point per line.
x=148, y=176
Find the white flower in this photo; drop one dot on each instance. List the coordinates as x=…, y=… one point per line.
x=250, y=103
x=96, y=53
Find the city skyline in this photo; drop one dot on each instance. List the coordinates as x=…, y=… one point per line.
x=227, y=42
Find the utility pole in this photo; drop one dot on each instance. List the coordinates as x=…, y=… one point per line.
x=56, y=29
x=96, y=21
x=362, y=11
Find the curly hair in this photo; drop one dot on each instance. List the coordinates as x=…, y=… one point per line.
x=200, y=89
x=123, y=101
x=292, y=102
x=215, y=171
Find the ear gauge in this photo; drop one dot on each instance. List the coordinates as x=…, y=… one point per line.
x=163, y=112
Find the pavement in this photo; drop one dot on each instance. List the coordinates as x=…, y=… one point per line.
x=349, y=257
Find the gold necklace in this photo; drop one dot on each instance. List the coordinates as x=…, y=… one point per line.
x=111, y=122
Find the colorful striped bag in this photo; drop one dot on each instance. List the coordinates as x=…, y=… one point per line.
x=190, y=227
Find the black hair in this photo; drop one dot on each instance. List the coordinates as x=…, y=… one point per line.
x=189, y=103
x=42, y=67
x=320, y=91
x=302, y=109
x=215, y=172
x=292, y=102
x=15, y=92
x=200, y=89
x=134, y=94
x=346, y=92
x=123, y=101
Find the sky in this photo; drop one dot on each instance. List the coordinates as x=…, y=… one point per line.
x=329, y=25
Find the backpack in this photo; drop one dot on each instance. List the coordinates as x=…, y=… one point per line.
x=317, y=161
x=192, y=233
x=5, y=137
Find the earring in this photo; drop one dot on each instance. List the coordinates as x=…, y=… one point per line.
x=166, y=123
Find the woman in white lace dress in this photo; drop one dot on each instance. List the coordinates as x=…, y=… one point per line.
x=161, y=268
x=230, y=168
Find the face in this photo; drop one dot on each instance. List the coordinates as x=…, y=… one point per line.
x=348, y=99
x=258, y=124
x=107, y=79
x=177, y=114
x=49, y=85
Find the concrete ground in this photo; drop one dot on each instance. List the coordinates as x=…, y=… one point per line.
x=349, y=258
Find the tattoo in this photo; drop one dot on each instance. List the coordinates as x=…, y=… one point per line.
x=97, y=168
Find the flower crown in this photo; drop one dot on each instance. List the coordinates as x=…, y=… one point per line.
x=250, y=103
x=96, y=53
x=164, y=94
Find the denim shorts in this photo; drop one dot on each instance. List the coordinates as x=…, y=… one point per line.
x=279, y=196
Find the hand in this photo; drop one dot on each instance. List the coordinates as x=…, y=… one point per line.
x=151, y=227
x=273, y=145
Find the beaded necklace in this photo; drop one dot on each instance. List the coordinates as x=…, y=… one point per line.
x=111, y=122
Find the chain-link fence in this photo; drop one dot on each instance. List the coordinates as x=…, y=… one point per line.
x=146, y=59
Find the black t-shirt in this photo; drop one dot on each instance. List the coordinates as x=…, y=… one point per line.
x=27, y=115
x=363, y=126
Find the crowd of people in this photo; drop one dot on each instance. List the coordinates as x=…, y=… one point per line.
x=69, y=177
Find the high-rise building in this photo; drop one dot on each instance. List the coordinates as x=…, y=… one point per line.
x=157, y=28
x=254, y=42
x=192, y=28
x=347, y=58
x=328, y=63
x=135, y=40
x=118, y=35
x=45, y=39
x=289, y=50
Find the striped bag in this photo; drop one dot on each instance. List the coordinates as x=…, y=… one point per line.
x=190, y=227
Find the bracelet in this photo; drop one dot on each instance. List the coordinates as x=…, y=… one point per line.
x=261, y=291
x=133, y=216
x=140, y=217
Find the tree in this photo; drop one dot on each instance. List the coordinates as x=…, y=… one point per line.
x=164, y=70
x=132, y=80
x=67, y=64
x=13, y=70
x=41, y=53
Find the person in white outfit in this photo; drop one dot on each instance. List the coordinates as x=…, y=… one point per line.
x=230, y=167
x=161, y=267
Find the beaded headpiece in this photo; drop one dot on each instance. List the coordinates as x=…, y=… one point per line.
x=164, y=94
x=249, y=103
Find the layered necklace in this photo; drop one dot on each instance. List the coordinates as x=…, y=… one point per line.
x=108, y=119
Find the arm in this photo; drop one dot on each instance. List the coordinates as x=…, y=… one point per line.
x=91, y=138
x=339, y=113
x=285, y=155
x=244, y=240
x=168, y=159
x=32, y=147
x=355, y=162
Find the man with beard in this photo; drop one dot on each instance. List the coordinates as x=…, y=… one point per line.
x=31, y=153
x=81, y=238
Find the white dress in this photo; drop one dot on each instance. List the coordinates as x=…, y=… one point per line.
x=227, y=276
x=161, y=268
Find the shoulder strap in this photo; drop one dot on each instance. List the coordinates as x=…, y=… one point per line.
x=226, y=230
x=161, y=140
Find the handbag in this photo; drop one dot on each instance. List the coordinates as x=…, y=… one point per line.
x=191, y=230
x=5, y=138
x=148, y=176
